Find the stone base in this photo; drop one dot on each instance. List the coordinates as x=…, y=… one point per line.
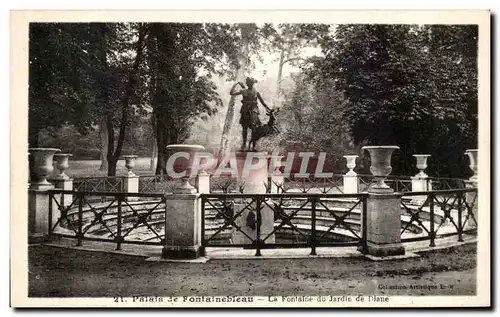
x=38, y=211
x=131, y=184
x=380, y=250
x=380, y=190
x=181, y=252
x=350, y=184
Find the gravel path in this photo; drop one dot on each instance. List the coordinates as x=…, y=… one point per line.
x=57, y=272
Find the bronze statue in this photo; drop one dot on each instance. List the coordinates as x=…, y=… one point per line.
x=249, y=109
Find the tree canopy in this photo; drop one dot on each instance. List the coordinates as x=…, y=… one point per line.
x=407, y=85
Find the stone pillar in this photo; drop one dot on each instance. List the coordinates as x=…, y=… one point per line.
x=62, y=180
x=255, y=181
x=182, y=227
x=38, y=193
x=383, y=207
x=203, y=182
x=131, y=180
x=472, y=198
x=351, y=185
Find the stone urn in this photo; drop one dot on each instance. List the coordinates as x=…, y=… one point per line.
x=421, y=164
x=191, y=150
x=42, y=165
x=472, y=154
x=130, y=164
x=380, y=157
x=61, y=163
x=351, y=164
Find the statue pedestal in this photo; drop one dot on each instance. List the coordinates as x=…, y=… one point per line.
x=253, y=171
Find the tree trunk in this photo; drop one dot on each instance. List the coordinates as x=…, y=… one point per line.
x=154, y=155
x=110, y=131
x=280, y=75
x=103, y=134
x=162, y=151
x=224, y=144
x=129, y=91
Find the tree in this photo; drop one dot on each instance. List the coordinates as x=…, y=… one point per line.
x=413, y=86
x=288, y=40
x=178, y=55
x=60, y=87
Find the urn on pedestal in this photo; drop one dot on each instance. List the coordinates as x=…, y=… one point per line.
x=380, y=157
x=472, y=154
x=351, y=164
x=61, y=163
x=130, y=164
x=421, y=164
x=189, y=150
x=41, y=165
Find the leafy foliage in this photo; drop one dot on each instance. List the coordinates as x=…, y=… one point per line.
x=412, y=86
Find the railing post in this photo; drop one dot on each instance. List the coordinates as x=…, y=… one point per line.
x=203, y=251
x=259, y=223
x=80, y=220
x=432, y=216
x=363, y=243
x=119, y=220
x=460, y=213
x=313, y=226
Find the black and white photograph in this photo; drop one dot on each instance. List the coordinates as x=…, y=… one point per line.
x=251, y=160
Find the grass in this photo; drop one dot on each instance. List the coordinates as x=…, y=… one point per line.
x=90, y=168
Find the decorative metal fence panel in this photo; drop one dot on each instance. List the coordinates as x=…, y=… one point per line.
x=226, y=185
x=439, y=213
x=444, y=183
x=123, y=219
x=158, y=184
x=326, y=185
x=286, y=220
x=108, y=184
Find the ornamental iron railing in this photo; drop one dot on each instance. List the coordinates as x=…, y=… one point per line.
x=123, y=219
x=439, y=213
x=285, y=220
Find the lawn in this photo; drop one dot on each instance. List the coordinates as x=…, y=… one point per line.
x=90, y=168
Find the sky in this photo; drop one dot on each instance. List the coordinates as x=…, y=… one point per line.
x=269, y=66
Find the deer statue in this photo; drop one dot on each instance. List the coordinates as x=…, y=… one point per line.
x=264, y=130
